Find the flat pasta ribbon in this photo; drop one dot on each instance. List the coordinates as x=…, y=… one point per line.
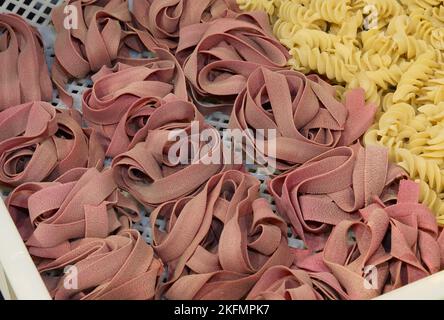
x=283, y=283
x=83, y=203
x=219, y=56
x=331, y=188
x=127, y=91
x=40, y=143
x=103, y=35
x=173, y=159
x=218, y=243
x=304, y=113
x=128, y=269
x=395, y=245
x=164, y=19
x=24, y=76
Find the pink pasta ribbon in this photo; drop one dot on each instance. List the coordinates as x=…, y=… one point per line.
x=165, y=18
x=304, y=113
x=83, y=203
x=125, y=93
x=332, y=187
x=395, y=245
x=307, y=279
x=218, y=243
x=40, y=143
x=119, y=267
x=103, y=35
x=152, y=173
x=219, y=56
x=24, y=76
x=283, y=283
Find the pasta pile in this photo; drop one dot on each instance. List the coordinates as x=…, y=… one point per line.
x=79, y=178
x=394, y=50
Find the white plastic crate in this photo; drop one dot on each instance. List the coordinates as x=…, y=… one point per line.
x=19, y=278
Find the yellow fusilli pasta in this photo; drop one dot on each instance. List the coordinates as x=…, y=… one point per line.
x=433, y=200
x=412, y=80
x=334, y=11
x=394, y=50
x=306, y=59
x=252, y=5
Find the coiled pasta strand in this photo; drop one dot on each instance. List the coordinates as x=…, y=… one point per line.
x=334, y=11
x=284, y=30
x=426, y=170
x=424, y=29
x=437, y=38
x=372, y=137
x=356, y=5
x=420, y=26
x=375, y=42
x=433, y=147
x=361, y=80
x=409, y=45
x=398, y=61
x=412, y=80
x=255, y=5
x=387, y=101
x=299, y=15
x=437, y=15
x=433, y=200
x=394, y=128
x=385, y=77
x=348, y=31
x=433, y=90
x=312, y=38
x=421, y=4
x=305, y=59
x=398, y=114
x=386, y=9
x=433, y=113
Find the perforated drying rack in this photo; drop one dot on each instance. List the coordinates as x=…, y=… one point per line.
x=19, y=278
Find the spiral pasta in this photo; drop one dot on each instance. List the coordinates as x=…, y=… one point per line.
x=312, y=38
x=265, y=5
x=436, y=15
x=334, y=11
x=387, y=8
x=411, y=80
x=339, y=38
x=433, y=90
x=300, y=15
x=422, y=4
x=415, y=139
x=423, y=28
x=394, y=50
x=427, y=170
x=433, y=200
x=306, y=58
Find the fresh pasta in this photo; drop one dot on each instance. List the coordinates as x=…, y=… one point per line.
x=415, y=139
x=394, y=50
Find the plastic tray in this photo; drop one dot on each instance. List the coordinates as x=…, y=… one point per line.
x=19, y=278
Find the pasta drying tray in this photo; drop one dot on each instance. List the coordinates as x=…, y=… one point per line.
x=19, y=278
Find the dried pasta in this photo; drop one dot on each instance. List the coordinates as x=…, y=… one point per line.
x=394, y=50
x=415, y=139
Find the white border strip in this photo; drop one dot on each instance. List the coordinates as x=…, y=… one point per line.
x=430, y=288
x=22, y=274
